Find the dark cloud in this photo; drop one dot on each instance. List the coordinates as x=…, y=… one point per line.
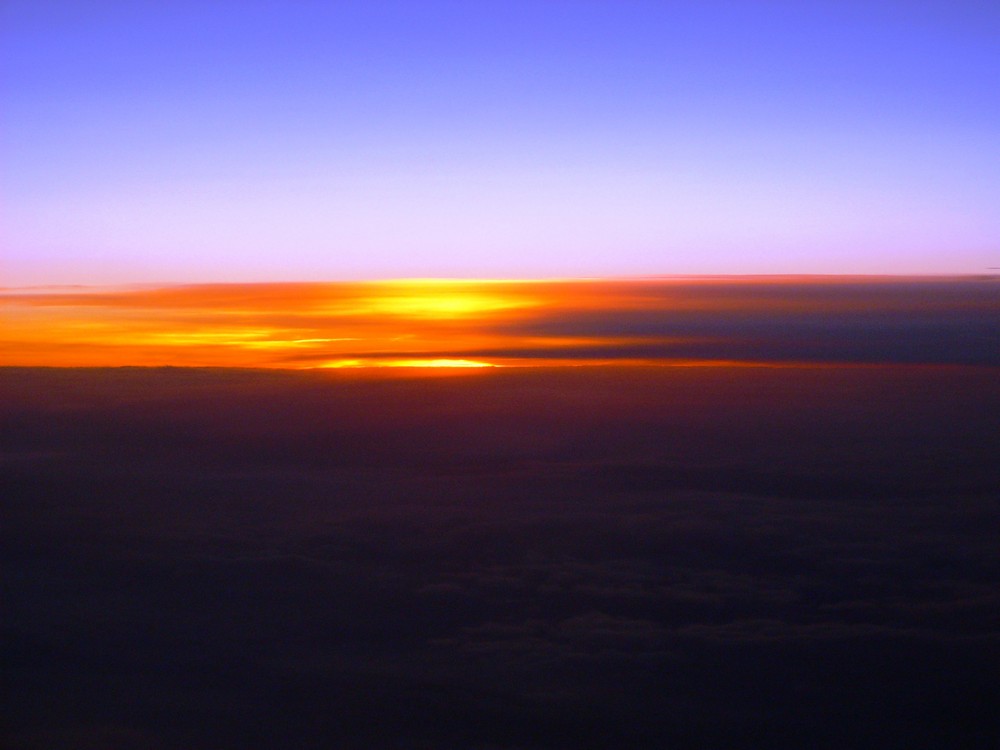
x=587, y=558
x=932, y=322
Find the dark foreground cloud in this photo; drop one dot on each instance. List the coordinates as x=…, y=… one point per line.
x=570, y=558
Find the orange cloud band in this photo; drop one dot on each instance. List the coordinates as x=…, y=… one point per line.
x=477, y=323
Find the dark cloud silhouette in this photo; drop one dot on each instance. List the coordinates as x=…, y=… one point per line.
x=541, y=558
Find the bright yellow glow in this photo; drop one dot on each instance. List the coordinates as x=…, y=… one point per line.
x=436, y=305
x=437, y=363
x=342, y=363
x=432, y=299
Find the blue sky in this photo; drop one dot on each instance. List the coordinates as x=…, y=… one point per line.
x=241, y=141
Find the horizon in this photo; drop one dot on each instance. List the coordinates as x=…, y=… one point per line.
x=484, y=323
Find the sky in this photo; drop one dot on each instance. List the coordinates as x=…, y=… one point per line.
x=250, y=141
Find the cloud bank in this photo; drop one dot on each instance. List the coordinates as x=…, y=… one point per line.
x=832, y=320
x=523, y=558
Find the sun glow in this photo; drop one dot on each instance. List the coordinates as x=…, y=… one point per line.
x=463, y=325
x=432, y=299
x=423, y=363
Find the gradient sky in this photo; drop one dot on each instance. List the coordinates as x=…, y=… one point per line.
x=271, y=141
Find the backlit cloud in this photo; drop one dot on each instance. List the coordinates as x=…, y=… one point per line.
x=448, y=323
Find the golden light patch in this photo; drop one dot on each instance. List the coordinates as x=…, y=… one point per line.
x=432, y=299
x=423, y=363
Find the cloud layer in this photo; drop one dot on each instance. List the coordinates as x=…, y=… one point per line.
x=544, y=558
x=405, y=323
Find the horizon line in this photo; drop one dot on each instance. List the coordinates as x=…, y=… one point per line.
x=980, y=276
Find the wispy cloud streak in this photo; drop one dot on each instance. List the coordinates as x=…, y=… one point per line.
x=509, y=323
